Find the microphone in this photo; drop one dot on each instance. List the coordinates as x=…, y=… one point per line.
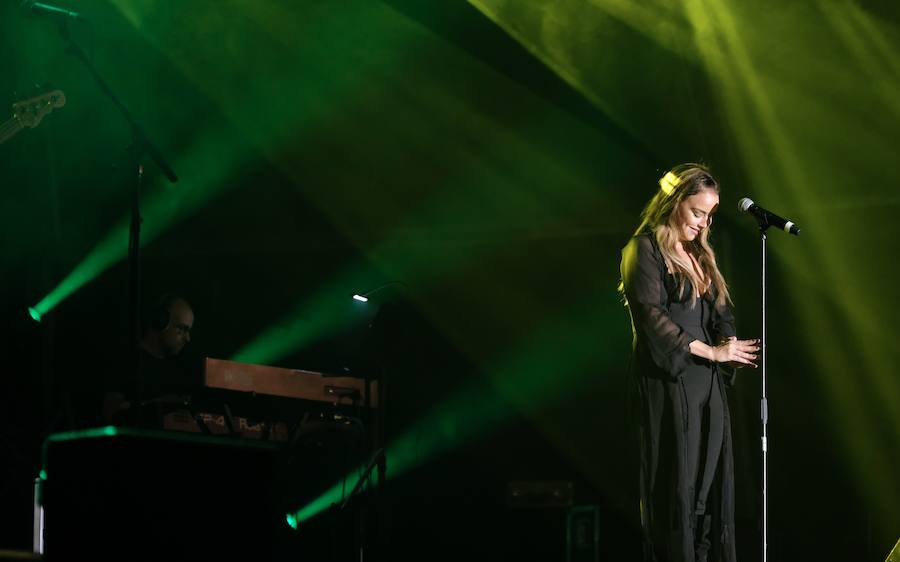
x=767, y=218
x=46, y=10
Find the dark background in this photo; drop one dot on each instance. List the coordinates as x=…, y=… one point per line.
x=487, y=161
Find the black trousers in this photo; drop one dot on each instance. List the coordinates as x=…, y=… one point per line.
x=703, y=430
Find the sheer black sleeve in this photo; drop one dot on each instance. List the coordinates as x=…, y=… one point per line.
x=642, y=276
x=723, y=323
x=723, y=328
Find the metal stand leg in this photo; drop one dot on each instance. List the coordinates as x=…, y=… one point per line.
x=37, y=542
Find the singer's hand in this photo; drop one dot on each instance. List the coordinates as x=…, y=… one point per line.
x=736, y=353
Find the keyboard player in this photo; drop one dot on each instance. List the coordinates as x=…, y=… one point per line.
x=165, y=374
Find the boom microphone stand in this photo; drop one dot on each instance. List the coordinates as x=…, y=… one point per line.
x=140, y=146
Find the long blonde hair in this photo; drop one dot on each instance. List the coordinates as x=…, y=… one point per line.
x=676, y=185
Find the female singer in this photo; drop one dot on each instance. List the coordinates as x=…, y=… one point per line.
x=683, y=334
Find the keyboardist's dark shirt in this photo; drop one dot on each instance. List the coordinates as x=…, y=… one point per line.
x=175, y=375
x=162, y=379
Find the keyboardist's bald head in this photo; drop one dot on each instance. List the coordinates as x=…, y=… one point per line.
x=169, y=329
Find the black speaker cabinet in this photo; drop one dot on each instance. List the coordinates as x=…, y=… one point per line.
x=128, y=494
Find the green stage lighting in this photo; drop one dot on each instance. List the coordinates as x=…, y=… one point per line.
x=205, y=178
x=316, y=317
x=521, y=379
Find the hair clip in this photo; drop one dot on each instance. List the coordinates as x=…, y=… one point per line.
x=669, y=182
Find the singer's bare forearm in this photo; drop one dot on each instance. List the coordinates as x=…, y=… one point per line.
x=703, y=350
x=729, y=351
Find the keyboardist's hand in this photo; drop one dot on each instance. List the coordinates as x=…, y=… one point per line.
x=114, y=403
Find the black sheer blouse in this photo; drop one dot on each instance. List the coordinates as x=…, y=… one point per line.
x=664, y=319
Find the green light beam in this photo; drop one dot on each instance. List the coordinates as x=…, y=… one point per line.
x=313, y=319
x=204, y=168
x=533, y=377
x=731, y=64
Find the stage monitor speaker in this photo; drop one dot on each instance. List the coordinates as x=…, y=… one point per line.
x=18, y=556
x=539, y=494
x=127, y=494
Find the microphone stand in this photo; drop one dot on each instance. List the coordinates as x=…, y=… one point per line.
x=140, y=146
x=376, y=461
x=763, y=404
x=367, y=472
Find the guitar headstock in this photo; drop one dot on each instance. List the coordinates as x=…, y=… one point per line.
x=30, y=112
